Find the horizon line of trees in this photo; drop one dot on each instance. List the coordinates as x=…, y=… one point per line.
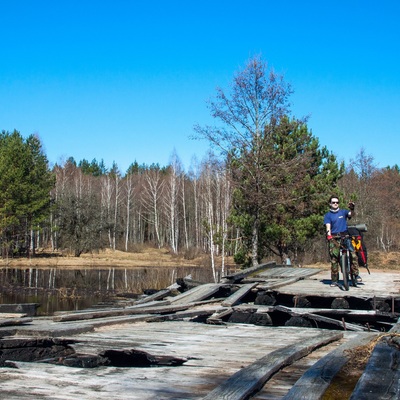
x=84, y=209
x=263, y=196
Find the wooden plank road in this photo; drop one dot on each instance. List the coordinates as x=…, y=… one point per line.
x=378, y=284
x=315, y=381
x=213, y=354
x=225, y=360
x=252, y=378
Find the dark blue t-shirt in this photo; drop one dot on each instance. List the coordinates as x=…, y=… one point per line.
x=338, y=221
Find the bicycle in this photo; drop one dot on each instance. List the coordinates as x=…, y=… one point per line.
x=345, y=260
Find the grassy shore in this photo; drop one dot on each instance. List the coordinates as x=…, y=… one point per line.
x=154, y=257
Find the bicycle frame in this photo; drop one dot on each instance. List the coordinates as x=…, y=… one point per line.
x=345, y=260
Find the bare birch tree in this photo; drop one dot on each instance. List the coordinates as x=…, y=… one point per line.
x=208, y=197
x=152, y=198
x=129, y=182
x=171, y=198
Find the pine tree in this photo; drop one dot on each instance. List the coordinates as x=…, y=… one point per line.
x=25, y=185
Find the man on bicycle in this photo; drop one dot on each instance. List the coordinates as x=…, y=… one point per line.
x=335, y=222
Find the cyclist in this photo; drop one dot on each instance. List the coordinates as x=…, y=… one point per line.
x=335, y=222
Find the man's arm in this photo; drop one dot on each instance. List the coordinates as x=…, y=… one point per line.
x=328, y=231
x=352, y=213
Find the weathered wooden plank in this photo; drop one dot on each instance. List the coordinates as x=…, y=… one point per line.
x=382, y=285
x=137, y=309
x=314, y=382
x=214, y=353
x=12, y=315
x=347, y=325
x=250, y=379
x=281, y=276
x=161, y=309
x=289, y=272
x=235, y=297
x=162, y=293
x=216, y=318
x=381, y=378
x=198, y=312
x=156, y=296
x=281, y=382
x=196, y=294
x=364, y=314
x=238, y=276
x=14, y=321
x=278, y=283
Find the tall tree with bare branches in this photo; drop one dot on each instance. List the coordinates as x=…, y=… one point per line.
x=271, y=157
x=258, y=97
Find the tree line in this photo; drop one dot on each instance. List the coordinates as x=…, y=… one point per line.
x=260, y=194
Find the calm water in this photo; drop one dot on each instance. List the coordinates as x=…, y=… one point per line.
x=56, y=289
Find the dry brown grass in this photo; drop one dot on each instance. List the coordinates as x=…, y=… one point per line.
x=385, y=261
x=345, y=381
x=377, y=261
x=141, y=257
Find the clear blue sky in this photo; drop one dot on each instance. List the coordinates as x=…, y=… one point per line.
x=127, y=80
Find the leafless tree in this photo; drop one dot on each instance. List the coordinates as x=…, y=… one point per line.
x=152, y=199
x=171, y=199
x=258, y=98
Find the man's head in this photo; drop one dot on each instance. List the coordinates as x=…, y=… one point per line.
x=334, y=202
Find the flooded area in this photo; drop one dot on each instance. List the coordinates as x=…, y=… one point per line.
x=57, y=289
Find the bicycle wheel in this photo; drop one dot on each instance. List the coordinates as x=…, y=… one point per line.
x=345, y=273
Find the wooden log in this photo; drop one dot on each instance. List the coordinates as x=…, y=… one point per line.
x=381, y=377
x=316, y=379
x=235, y=297
x=238, y=276
x=251, y=378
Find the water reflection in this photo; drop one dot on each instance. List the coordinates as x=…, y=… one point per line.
x=58, y=289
